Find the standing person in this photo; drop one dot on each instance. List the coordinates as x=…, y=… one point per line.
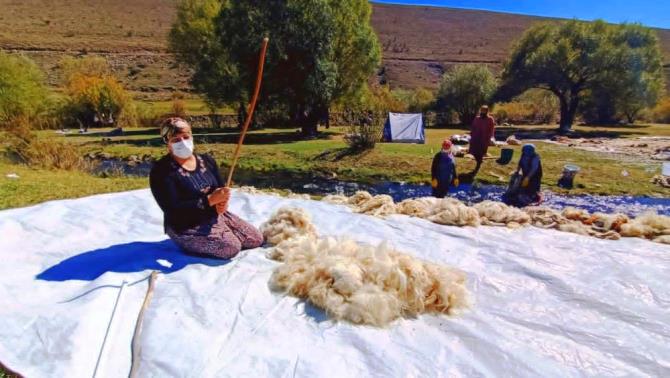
x=483, y=128
x=443, y=171
x=189, y=189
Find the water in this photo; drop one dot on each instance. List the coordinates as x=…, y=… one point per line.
x=470, y=194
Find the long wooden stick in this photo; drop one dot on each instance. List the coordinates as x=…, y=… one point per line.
x=250, y=112
x=135, y=363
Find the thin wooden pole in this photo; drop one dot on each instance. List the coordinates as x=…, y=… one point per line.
x=250, y=112
x=135, y=363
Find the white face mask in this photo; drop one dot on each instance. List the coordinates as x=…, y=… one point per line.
x=183, y=149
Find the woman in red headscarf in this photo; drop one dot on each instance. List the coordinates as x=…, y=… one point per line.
x=443, y=170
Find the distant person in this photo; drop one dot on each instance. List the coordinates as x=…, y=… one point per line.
x=443, y=171
x=483, y=128
x=189, y=189
x=526, y=181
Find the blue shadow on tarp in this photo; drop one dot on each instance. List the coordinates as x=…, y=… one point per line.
x=124, y=258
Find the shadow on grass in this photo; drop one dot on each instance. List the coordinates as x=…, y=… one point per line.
x=255, y=138
x=338, y=154
x=527, y=132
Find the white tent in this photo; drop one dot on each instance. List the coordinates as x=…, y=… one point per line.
x=404, y=128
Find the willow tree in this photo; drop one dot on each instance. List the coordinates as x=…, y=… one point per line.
x=320, y=51
x=574, y=58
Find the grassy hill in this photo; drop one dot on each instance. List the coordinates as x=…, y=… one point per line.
x=419, y=43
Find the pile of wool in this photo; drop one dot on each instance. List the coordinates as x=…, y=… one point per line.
x=497, y=213
x=450, y=211
x=365, y=284
x=573, y=213
x=606, y=222
x=379, y=205
x=287, y=223
x=649, y=225
x=544, y=217
x=336, y=199
x=417, y=207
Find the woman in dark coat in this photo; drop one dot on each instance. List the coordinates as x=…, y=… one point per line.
x=443, y=171
x=189, y=189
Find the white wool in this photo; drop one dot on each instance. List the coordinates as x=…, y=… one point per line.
x=545, y=217
x=665, y=239
x=250, y=190
x=379, y=205
x=287, y=223
x=498, y=212
x=359, y=197
x=575, y=214
x=303, y=196
x=609, y=221
x=449, y=211
x=366, y=284
x=336, y=199
x=417, y=207
x=648, y=225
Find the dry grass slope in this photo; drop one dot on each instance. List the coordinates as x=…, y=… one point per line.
x=419, y=43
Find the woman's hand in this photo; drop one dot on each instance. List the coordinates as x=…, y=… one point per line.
x=218, y=196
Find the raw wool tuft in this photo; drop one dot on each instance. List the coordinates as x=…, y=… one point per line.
x=336, y=199
x=417, y=207
x=544, y=217
x=287, y=223
x=380, y=205
x=607, y=222
x=366, y=284
x=573, y=213
x=663, y=239
x=359, y=197
x=497, y=213
x=450, y=211
x=649, y=225
x=303, y=196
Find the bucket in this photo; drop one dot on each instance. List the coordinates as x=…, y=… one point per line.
x=567, y=179
x=666, y=169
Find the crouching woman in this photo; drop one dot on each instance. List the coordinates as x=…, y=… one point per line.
x=189, y=189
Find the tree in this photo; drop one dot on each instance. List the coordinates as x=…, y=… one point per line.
x=320, y=52
x=94, y=93
x=464, y=89
x=22, y=89
x=574, y=58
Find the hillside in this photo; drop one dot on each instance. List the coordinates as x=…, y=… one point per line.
x=419, y=43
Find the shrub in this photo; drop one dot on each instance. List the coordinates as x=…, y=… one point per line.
x=661, y=112
x=22, y=90
x=366, y=128
x=49, y=153
x=535, y=106
x=95, y=96
x=178, y=108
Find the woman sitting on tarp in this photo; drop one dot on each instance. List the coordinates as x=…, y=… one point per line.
x=443, y=171
x=189, y=189
x=525, y=183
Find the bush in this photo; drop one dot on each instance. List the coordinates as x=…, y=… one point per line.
x=22, y=91
x=366, y=128
x=535, y=106
x=661, y=112
x=49, y=153
x=95, y=96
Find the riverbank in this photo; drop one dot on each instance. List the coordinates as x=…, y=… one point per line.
x=275, y=157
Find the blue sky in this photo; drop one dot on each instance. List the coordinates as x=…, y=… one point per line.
x=649, y=12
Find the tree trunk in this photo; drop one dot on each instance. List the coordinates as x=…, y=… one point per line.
x=568, y=112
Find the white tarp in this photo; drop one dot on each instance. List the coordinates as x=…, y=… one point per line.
x=546, y=303
x=404, y=127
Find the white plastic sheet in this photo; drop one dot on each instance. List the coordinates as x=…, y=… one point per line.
x=545, y=303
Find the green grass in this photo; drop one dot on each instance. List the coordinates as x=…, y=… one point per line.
x=38, y=185
x=277, y=153
x=193, y=106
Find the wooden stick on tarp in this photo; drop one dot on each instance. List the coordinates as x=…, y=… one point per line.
x=135, y=346
x=250, y=112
